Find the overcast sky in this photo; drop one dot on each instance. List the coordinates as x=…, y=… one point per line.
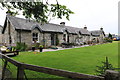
x=92, y=13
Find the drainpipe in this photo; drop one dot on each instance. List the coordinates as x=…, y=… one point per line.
x=9, y=33
x=43, y=39
x=20, y=31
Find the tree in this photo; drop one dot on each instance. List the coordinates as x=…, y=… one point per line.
x=105, y=66
x=110, y=36
x=38, y=11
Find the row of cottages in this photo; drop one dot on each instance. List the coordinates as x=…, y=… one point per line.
x=22, y=30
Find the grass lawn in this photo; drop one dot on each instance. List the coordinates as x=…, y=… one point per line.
x=83, y=60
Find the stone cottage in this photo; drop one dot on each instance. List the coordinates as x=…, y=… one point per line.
x=21, y=30
x=98, y=35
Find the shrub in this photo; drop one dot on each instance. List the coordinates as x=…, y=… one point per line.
x=40, y=46
x=68, y=45
x=36, y=45
x=21, y=46
x=108, y=40
x=84, y=43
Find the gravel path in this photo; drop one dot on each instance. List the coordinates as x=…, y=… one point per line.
x=60, y=48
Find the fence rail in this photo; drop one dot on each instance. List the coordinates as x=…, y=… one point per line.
x=22, y=66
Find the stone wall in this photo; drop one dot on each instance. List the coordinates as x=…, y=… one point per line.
x=47, y=39
x=44, y=38
x=0, y=34
x=60, y=37
x=101, y=38
x=0, y=38
x=112, y=75
x=5, y=38
x=72, y=38
x=26, y=37
x=1, y=30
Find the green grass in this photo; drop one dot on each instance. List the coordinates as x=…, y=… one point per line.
x=83, y=60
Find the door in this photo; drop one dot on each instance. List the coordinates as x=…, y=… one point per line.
x=52, y=39
x=68, y=39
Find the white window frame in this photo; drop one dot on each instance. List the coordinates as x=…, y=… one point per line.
x=37, y=37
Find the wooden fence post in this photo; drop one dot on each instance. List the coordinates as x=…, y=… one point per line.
x=4, y=69
x=21, y=67
x=20, y=72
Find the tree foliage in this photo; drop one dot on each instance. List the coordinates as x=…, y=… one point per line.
x=110, y=36
x=39, y=11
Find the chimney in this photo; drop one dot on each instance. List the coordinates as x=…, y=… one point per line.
x=101, y=28
x=8, y=14
x=85, y=27
x=62, y=23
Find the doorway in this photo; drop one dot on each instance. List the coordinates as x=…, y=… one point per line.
x=52, y=39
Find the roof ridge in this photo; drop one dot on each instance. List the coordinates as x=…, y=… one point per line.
x=21, y=23
x=21, y=18
x=96, y=30
x=39, y=23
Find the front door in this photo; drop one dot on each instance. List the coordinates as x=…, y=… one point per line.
x=52, y=39
x=68, y=38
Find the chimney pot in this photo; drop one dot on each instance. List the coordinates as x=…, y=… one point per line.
x=85, y=27
x=101, y=28
x=62, y=23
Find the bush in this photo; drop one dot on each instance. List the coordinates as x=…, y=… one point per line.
x=37, y=45
x=40, y=46
x=68, y=45
x=21, y=46
x=108, y=40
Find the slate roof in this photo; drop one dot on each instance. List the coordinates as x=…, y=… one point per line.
x=1, y=26
x=51, y=27
x=75, y=30
x=24, y=24
x=97, y=32
x=20, y=23
x=84, y=31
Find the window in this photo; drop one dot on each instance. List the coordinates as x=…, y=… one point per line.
x=35, y=37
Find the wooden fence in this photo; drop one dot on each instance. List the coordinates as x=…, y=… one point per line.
x=67, y=74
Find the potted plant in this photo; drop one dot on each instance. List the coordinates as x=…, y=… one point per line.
x=40, y=48
x=33, y=48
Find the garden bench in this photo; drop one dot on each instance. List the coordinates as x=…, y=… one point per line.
x=10, y=53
